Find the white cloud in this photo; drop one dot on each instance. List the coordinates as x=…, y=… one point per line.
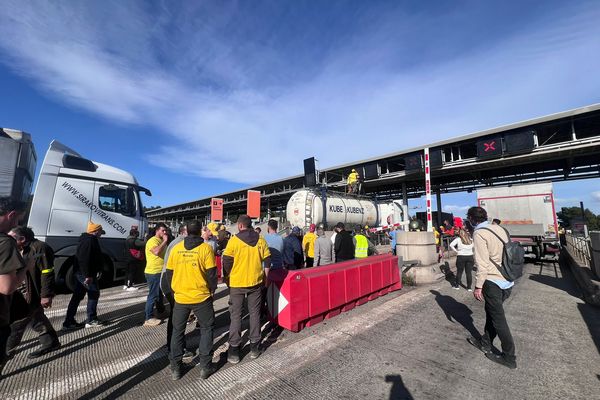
x=595, y=196
x=237, y=109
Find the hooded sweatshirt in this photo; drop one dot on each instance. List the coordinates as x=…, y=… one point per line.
x=243, y=259
x=88, y=257
x=192, y=263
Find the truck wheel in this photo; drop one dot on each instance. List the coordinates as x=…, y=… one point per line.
x=70, y=279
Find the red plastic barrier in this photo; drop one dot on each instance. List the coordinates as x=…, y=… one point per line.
x=302, y=298
x=219, y=269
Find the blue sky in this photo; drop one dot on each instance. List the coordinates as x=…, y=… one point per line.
x=200, y=98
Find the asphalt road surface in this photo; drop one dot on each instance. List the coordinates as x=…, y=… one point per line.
x=410, y=344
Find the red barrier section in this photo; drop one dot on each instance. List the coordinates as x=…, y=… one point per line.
x=219, y=269
x=302, y=298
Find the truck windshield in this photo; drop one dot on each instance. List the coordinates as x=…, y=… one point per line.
x=116, y=199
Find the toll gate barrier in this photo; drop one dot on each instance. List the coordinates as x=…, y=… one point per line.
x=302, y=298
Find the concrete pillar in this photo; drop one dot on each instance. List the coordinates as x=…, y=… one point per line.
x=404, y=194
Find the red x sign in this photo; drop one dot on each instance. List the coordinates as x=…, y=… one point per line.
x=489, y=146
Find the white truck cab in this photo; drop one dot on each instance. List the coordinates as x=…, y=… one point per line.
x=70, y=192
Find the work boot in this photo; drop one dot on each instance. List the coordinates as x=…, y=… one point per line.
x=176, y=372
x=478, y=344
x=502, y=359
x=95, y=323
x=207, y=371
x=233, y=354
x=254, y=350
x=72, y=326
x=44, y=350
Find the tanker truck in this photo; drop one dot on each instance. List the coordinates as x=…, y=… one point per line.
x=307, y=206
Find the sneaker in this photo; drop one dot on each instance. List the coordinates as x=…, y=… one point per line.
x=207, y=371
x=72, y=326
x=132, y=289
x=502, y=360
x=176, y=373
x=188, y=356
x=254, y=350
x=94, y=324
x=125, y=287
x=479, y=345
x=45, y=350
x=152, y=322
x=469, y=290
x=233, y=354
x=455, y=287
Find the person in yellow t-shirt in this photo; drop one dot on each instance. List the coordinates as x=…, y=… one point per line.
x=243, y=271
x=194, y=283
x=155, y=254
x=308, y=245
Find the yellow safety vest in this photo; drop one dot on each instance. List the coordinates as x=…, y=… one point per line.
x=362, y=247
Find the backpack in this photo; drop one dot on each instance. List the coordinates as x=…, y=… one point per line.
x=513, y=258
x=136, y=254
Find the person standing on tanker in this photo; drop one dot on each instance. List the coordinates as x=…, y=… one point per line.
x=194, y=281
x=38, y=290
x=13, y=269
x=293, y=257
x=155, y=259
x=324, y=254
x=135, y=257
x=463, y=247
x=88, y=264
x=491, y=287
x=243, y=270
x=352, y=181
x=308, y=245
x=344, y=244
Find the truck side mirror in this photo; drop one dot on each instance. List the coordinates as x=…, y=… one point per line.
x=131, y=208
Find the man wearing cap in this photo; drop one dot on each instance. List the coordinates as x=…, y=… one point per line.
x=292, y=250
x=352, y=181
x=308, y=245
x=344, y=244
x=88, y=263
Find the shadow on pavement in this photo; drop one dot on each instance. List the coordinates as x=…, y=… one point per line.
x=448, y=274
x=398, y=390
x=591, y=316
x=557, y=283
x=132, y=377
x=456, y=311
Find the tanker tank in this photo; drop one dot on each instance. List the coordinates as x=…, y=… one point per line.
x=305, y=207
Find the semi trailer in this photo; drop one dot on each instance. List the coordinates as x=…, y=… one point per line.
x=71, y=191
x=526, y=211
x=311, y=206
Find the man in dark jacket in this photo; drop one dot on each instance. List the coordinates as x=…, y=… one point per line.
x=134, y=248
x=243, y=261
x=293, y=257
x=344, y=244
x=38, y=291
x=88, y=263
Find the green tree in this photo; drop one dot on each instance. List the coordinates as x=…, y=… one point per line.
x=567, y=214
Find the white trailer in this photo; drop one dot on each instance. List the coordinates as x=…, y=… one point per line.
x=307, y=207
x=526, y=211
x=70, y=192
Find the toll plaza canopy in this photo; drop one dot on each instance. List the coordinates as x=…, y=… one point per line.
x=557, y=147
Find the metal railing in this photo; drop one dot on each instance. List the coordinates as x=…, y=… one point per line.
x=580, y=247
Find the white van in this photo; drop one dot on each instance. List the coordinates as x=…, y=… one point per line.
x=70, y=192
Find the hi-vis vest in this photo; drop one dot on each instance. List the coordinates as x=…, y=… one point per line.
x=362, y=247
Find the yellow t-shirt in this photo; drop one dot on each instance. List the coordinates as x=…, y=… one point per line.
x=154, y=264
x=247, y=262
x=309, y=241
x=190, y=283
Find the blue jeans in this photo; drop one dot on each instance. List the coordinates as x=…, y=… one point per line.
x=79, y=293
x=154, y=295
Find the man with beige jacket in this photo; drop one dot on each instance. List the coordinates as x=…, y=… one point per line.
x=491, y=287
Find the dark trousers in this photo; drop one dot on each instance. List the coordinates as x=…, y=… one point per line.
x=495, y=320
x=310, y=262
x=133, y=266
x=168, y=292
x=39, y=323
x=4, y=334
x=205, y=315
x=79, y=293
x=155, y=296
x=464, y=263
x=236, y=303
